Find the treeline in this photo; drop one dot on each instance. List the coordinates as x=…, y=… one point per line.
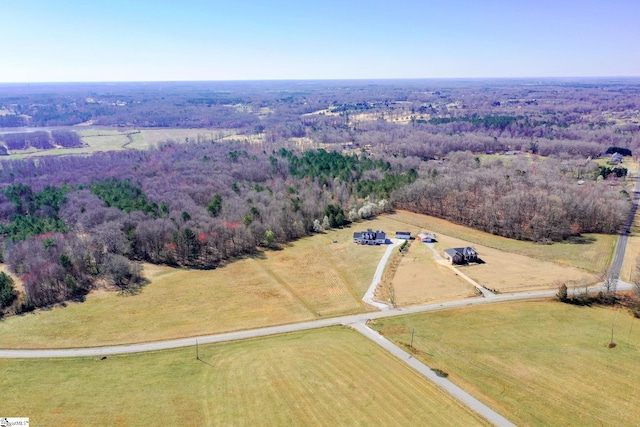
x=540, y=201
x=41, y=140
x=195, y=205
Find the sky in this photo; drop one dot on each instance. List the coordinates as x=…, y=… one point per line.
x=161, y=40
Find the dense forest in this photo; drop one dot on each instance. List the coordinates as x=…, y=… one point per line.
x=321, y=155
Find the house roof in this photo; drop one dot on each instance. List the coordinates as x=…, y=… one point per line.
x=452, y=252
x=403, y=232
x=468, y=251
x=427, y=235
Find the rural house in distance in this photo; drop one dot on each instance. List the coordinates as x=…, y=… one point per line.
x=426, y=237
x=370, y=237
x=403, y=235
x=461, y=255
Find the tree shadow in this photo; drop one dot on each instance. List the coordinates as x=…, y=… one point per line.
x=205, y=362
x=580, y=240
x=132, y=289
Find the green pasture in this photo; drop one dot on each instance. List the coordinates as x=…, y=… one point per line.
x=537, y=363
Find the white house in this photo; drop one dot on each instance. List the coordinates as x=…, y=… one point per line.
x=426, y=237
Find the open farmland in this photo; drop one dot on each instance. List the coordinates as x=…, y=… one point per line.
x=420, y=279
x=632, y=254
x=537, y=363
x=511, y=272
x=591, y=252
x=324, y=275
x=311, y=278
x=109, y=139
x=331, y=376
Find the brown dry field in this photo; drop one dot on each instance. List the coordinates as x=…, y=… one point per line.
x=509, y=272
x=591, y=252
x=324, y=275
x=632, y=254
x=420, y=279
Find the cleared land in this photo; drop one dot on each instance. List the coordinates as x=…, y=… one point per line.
x=323, y=275
x=109, y=139
x=330, y=376
x=311, y=278
x=510, y=272
x=632, y=254
x=420, y=279
x=537, y=363
x=591, y=252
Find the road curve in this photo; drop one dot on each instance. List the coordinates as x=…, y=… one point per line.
x=274, y=330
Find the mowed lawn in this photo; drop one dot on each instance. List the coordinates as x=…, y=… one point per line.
x=324, y=275
x=591, y=252
x=325, y=377
x=537, y=363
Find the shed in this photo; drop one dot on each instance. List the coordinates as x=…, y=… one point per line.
x=403, y=235
x=426, y=237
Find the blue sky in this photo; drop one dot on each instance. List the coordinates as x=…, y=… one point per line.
x=72, y=40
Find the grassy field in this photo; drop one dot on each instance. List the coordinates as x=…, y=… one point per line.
x=591, y=252
x=324, y=275
x=111, y=139
x=331, y=376
x=312, y=278
x=537, y=363
x=632, y=254
x=511, y=272
x=419, y=279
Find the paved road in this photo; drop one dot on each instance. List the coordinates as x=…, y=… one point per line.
x=273, y=330
x=443, y=383
x=377, y=278
x=621, y=247
x=356, y=321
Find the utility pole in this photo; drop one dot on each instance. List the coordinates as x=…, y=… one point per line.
x=613, y=324
x=413, y=331
x=197, y=350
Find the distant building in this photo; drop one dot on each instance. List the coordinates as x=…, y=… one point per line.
x=403, y=235
x=426, y=237
x=616, y=158
x=461, y=255
x=370, y=237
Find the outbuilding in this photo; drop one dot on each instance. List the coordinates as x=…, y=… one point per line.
x=426, y=237
x=403, y=235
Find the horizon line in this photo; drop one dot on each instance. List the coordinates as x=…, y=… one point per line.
x=361, y=79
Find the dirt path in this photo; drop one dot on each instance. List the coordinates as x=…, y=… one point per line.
x=485, y=292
